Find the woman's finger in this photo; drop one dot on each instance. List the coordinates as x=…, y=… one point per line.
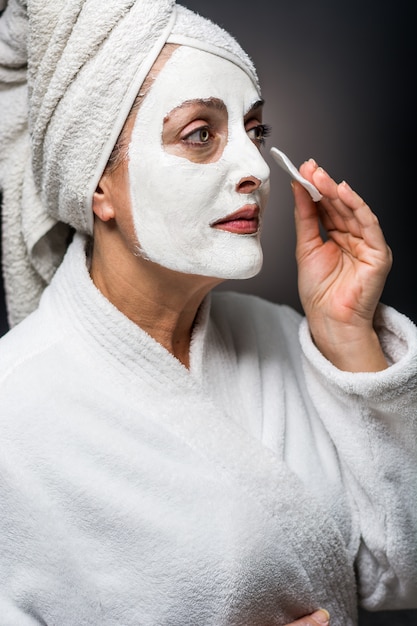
x=342, y=208
x=318, y=618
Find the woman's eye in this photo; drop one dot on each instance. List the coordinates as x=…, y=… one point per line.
x=200, y=136
x=259, y=133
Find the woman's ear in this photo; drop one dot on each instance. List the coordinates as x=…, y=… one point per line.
x=102, y=199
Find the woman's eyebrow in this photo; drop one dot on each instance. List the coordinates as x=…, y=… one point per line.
x=211, y=103
x=255, y=106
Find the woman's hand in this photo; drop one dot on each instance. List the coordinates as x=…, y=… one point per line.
x=318, y=618
x=341, y=275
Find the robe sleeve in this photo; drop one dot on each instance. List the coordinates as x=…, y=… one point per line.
x=372, y=420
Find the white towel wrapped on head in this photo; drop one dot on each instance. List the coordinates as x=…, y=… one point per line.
x=70, y=71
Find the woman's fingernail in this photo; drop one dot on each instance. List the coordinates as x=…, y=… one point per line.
x=322, y=617
x=312, y=161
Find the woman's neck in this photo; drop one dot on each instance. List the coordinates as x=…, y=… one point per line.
x=162, y=302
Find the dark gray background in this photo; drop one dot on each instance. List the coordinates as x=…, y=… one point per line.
x=339, y=84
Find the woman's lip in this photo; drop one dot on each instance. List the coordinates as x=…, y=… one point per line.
x=245, y=221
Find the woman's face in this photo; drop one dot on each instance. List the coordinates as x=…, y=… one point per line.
x=198, y=183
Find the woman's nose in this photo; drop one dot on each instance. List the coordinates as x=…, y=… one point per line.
x=248, y=184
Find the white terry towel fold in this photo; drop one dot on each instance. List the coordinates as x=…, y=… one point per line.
x=69, y=73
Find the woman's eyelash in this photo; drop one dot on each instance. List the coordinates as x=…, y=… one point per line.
x=264, y=131
x=259, y=133
x=267, y=129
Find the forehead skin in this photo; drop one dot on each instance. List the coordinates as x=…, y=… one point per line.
x=191, y=74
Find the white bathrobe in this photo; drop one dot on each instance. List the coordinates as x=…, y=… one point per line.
x=245, y=491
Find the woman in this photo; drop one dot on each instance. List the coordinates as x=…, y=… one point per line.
x=179, y=457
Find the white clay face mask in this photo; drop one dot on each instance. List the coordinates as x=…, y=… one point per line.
x=176, y=200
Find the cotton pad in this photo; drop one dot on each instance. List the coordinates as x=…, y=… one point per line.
x=289, y=167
